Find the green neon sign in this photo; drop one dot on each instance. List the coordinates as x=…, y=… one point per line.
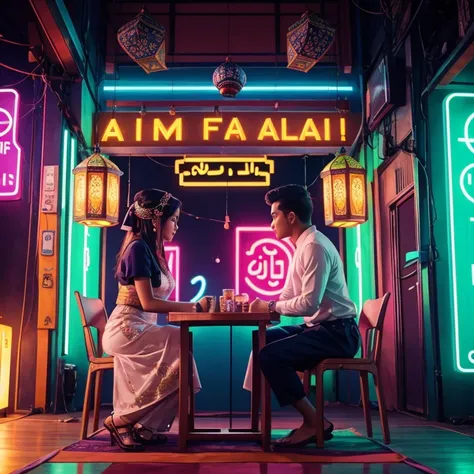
x=459, y=123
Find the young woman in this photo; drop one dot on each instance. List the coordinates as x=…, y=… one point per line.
x=146, y=356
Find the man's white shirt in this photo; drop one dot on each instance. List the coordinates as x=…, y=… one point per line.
x=316, y=287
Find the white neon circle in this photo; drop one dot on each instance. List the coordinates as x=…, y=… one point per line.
x=8, y=121
x=470, y=356
x=461, y=182
x=468, y=141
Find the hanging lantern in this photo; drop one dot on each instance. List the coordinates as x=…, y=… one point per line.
x=344, y=190
x=229, y=78
x=307, y=41
x=96, y=192
x=143, y=39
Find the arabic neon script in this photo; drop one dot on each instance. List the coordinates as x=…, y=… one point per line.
x=10, y=151
x=268, y=268
x=224, y=171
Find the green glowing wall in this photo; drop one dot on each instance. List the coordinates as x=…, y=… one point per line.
x=452, y=171
x=79, y=257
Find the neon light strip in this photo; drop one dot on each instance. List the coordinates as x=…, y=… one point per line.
x=68, y=247
x=323, y=88
x=177, y=276
x=85, y=261
x=451, y=231
x=359, y=246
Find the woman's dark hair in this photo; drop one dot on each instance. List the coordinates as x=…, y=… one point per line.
x=292, y=197
x=144, y=228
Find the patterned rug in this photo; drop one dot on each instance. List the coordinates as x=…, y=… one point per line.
x=347, y=446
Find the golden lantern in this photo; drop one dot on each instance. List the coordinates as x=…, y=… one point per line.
x=96, y=192
x=345, y=194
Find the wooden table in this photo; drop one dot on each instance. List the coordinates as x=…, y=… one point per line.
x=260, y=385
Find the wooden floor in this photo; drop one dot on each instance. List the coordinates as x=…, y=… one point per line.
x=445, y=448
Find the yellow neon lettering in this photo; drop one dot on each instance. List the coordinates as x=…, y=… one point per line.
x=310, y=130
x=176, y=127
x=235, y=128
x=343, y=129
x=210, y=128
x=138, y=129
x=268, y=130
x=327, y=129
x=112, y=131
x=284, y=132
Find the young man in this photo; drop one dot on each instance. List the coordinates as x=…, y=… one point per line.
x=316, y=289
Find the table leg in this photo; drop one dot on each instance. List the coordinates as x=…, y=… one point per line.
x=266, y=398
x=256, y=384
x=183, y=387
x=191, y=383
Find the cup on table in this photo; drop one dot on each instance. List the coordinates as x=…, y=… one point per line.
x=241, y=303
x=228, y=300
x=211, y=303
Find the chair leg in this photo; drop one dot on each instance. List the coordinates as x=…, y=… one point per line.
x=86, y=407
x=97, y=394
x=382, y=408
x=191, y=383
x=307, y=381
x=256, y=395
x=364, y=391
x=320, y=408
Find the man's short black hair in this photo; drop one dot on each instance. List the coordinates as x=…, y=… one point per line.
x=292, y=197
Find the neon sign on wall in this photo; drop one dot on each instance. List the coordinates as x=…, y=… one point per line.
x=243, y=171
x=261, y=262
x=172, y=254
x=459, y=123
x=195, y=129
x=10, y=151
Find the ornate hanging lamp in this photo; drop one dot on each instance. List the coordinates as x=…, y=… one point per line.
x=143, y=39
x=307, y=41
x=229, y=78
x=96, y=192
x=344, y=190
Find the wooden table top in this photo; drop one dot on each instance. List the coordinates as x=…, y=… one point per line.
x=221, y=319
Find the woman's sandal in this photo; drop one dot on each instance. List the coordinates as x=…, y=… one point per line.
x=122, y=436
x=146, y=436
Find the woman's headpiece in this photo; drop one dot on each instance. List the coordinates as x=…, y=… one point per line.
x=144, y=212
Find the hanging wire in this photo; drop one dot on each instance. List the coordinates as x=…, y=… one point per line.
x=367, y=11
x=25, y=78
x=28, y=73
x=129, y=180
x=189, y=214
x=305, y=157
x=159, y=163
x=13, y=42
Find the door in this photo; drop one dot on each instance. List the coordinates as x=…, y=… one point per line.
x=408, y=306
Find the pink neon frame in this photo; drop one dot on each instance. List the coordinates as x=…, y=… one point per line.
x=238, y=230
x=176, y=273
x=16, y=194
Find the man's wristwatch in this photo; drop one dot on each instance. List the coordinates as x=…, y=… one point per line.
x=272, y=306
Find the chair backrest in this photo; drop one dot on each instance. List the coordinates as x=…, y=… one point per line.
x=93, y=315
x=371, y=322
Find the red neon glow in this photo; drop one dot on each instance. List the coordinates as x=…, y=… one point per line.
x=262, y=262
x=172, y=254
x=10, y=151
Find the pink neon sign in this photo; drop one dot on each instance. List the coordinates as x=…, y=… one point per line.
x=261, y=262
x=172, y=254
x=10, y=151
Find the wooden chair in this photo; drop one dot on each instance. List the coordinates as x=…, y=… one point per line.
x=93, y=315
x=371, y=329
